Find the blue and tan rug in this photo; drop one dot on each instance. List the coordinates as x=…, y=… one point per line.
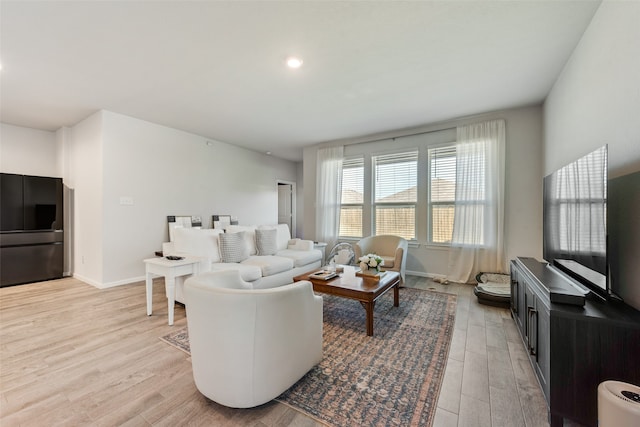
x=392, y=378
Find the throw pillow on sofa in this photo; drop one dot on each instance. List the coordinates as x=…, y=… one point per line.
x=283, y=234
x=233, y=247
x=266, y=241
x=249, y=235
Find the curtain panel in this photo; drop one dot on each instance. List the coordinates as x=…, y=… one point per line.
x=478, y=226
x=328, y=194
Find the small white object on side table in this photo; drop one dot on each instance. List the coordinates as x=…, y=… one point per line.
x=170, y=270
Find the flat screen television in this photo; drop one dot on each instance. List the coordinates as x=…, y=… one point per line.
x=575, y=220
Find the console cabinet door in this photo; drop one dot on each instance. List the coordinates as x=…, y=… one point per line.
x=536, y=336
x=530, y=322
x=542, y=357
x=518, y=310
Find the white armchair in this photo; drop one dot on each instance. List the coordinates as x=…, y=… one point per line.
x=250, y=345
x=392, y=249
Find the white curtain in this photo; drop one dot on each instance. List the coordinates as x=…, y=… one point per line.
x=478, y=224
x=328, y=193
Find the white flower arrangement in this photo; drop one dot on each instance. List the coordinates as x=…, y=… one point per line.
x=370, y=261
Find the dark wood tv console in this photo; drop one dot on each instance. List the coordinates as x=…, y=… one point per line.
x=572, y=348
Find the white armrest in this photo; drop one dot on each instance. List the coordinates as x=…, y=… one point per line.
x=300, y=245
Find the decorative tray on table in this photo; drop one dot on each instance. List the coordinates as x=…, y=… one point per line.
x=323, y=275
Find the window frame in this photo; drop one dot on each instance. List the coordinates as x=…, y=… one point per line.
x=406, y=152
x=430, y=203
x=423, y=217
x=349, y=161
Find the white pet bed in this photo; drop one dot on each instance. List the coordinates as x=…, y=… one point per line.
x=493, y=289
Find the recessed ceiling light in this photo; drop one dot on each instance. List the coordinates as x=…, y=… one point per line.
x=293, y=62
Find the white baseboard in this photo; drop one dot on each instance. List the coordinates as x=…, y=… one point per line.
x=423, y=274
x=109, y=284
x=124, y=282
x=86, y=280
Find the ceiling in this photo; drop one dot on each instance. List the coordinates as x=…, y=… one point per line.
x=217, y=69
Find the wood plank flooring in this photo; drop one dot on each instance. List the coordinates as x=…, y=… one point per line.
x=74, y=355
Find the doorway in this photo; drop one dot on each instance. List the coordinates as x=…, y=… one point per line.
x=287, y=205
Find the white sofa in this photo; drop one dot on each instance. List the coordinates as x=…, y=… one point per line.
x=247, y=345
x=287, y=257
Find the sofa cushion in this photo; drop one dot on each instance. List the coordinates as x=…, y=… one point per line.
x=249, y=235
x=284, y=235
x=269, y=265
x=248, y=273
x=301, y=258
x=233, y=247
x=266, y=243
x=197, y=242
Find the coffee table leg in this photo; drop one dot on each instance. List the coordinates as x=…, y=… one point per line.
x=368, y=308
x=396, y=296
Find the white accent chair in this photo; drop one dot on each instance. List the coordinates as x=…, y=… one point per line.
x=392, y=249
x=250, y=345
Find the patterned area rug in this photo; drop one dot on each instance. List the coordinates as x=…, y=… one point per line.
x=392, y=378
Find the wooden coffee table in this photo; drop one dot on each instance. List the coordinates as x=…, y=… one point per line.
x=365, y=290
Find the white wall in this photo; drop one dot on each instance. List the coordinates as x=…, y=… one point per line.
x=596, y=99
x=84, y=175
x=300, y=201
x=28, y=151
x=523, y=209
x=170, y=172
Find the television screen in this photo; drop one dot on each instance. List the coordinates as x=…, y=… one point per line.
x=575, y=219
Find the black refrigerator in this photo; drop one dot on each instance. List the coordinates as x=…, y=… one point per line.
x=31, y=229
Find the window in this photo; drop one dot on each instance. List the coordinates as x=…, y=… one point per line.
x=417, y=190
x=395, y=194
x=352, y=198
x=442, y=191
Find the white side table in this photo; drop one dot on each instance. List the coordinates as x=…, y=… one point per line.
x=170, y=270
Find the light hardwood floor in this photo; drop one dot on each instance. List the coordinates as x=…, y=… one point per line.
x=71, y=354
